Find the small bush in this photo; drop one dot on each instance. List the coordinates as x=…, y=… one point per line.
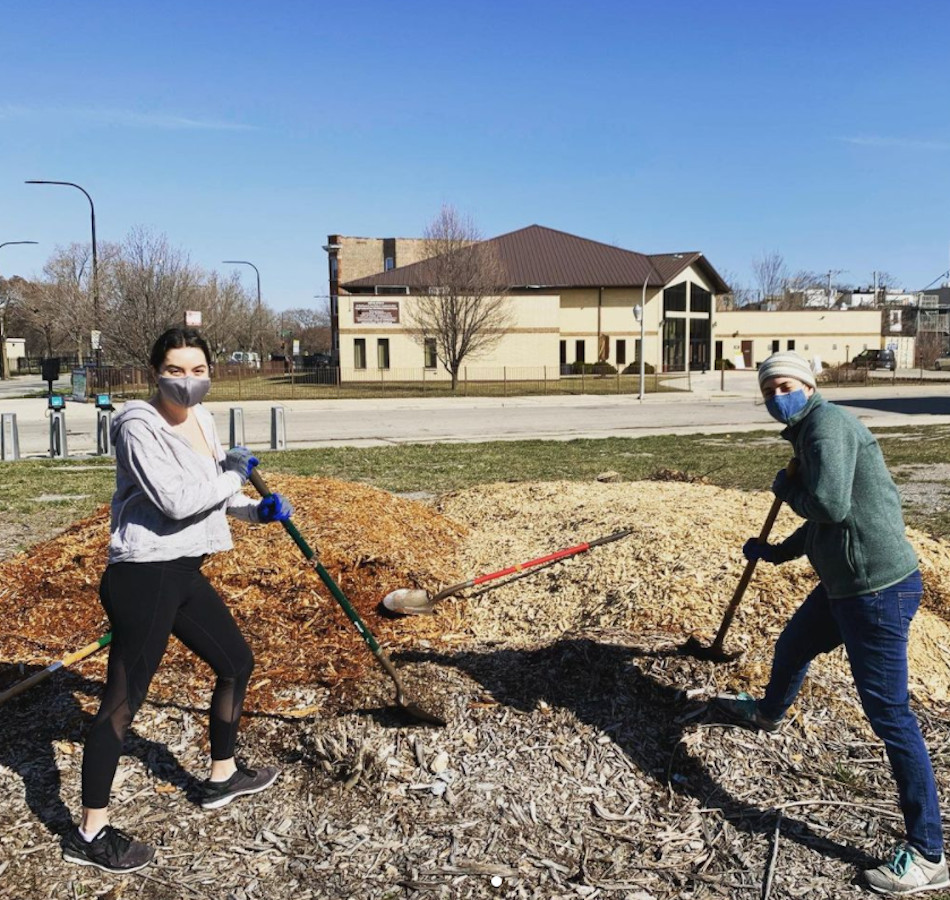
x=634, y=369
x=597, y=368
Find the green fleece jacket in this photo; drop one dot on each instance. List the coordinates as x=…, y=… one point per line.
x=854, y=535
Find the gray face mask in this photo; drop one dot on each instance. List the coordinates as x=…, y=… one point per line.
x=186, y=391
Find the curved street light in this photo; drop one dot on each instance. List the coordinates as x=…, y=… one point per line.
x=95, y=266
x=4, y=373
x=260, y=330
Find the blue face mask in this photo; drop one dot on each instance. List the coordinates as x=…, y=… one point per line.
x=783, y=407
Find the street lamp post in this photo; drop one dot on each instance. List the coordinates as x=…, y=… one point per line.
x=639, y=313
x=4, y=374
x=95, y=268
x=260, y=330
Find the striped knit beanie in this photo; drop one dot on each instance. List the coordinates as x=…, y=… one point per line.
x=789, y=365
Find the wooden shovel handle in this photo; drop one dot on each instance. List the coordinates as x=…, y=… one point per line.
x=730, y=613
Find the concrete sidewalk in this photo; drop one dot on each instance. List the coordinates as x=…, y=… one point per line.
x=382, y=422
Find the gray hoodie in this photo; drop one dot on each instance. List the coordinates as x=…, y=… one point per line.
x=169, y=500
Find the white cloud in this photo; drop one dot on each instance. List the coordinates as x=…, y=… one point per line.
x=121, y=118
x=896, y=142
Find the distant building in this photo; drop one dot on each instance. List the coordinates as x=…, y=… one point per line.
x=744, y=337
x=571, y=300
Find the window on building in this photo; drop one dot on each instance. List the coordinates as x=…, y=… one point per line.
x=637, y=343
x=579, y=351
x=776, y=345
x=390, y=263
x=700, y=300
x=431, y=360
x=674, y=298
x=791, y=345
x=359, y=353
x=621, y=352
x=563, y=353
x=334, y=268
x=382, y=353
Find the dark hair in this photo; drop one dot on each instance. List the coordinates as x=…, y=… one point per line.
x=174, y=339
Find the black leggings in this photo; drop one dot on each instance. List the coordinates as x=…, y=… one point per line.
x=146, y=603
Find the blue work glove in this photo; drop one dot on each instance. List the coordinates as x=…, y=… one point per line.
x=752, y=549
x=241, y=461
x=274, y=508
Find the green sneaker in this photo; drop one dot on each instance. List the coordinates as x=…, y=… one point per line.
x=907, y=872
x=743, y=709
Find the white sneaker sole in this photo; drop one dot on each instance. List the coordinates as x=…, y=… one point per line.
x=224, y=801
x=83, y=861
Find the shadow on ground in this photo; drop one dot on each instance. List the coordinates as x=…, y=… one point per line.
x=605, y=686
x=37, y=719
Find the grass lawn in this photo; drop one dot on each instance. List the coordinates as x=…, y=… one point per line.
x=37, y=498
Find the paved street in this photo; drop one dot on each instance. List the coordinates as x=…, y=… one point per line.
x=366, y=423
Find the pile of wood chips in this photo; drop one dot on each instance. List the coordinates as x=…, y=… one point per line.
x=369, y=540
x=676, y=573
x=580, y=757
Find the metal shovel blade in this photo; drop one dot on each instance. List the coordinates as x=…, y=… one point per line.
x=409, y=602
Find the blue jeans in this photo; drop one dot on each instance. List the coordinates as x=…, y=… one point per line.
x=873, y=629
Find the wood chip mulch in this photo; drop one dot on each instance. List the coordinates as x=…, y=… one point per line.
x=580, y=760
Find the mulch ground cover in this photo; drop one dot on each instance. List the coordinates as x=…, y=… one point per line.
x=580, y=758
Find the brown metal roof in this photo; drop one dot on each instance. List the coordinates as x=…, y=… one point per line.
x=544, y=258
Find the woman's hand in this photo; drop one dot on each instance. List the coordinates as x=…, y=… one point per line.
x=241, y=461
x=274, y=508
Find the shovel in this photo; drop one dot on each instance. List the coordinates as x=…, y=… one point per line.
x=714, y=652
x=415, y=601
x=402, y=700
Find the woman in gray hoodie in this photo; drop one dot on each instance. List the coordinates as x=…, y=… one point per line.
x=175, y=486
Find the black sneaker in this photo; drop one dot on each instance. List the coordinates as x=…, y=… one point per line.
x=110, y=850
x=215, y=794
x=743, y=710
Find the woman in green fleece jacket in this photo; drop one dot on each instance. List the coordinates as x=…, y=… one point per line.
x=869, y=589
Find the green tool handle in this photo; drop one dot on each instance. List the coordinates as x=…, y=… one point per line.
x=258, y=481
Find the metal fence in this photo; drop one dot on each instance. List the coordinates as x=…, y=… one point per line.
x=271, y=382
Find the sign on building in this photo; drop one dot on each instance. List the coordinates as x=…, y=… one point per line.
x=376, y=312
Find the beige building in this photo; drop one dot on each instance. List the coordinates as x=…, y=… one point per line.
x=571, y=302
x=746, y=337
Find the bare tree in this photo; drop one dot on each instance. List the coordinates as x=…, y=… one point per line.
x=885, y=282
x=41, y=314
x=227, y=312
x=799, y=287
x=465, y=310
x=739, y=295
x=66, y=305
x=309, y=325
x=771, y=275
x=150, y=287
x=12, y=292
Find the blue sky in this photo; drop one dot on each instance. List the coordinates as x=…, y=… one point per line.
x=252, y=131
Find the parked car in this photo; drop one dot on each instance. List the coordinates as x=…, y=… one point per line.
x=317, y=360
x=942, y=362
x=875, y=359
x=245, y=358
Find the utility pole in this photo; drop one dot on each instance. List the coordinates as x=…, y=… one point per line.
x=831, y=295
